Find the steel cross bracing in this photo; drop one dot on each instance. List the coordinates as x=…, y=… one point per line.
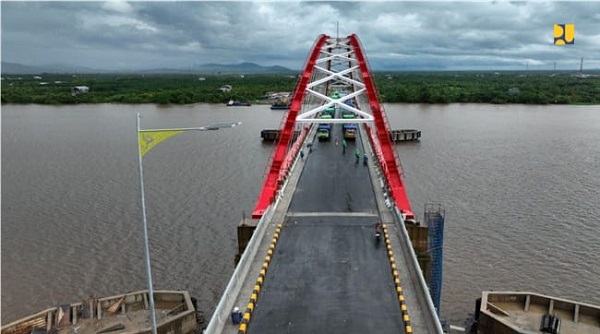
x=335, y=70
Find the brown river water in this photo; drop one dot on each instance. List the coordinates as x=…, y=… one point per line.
x=520, y=185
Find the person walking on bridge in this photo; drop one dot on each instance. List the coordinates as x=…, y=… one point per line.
x=357, y=155
x=344, y=145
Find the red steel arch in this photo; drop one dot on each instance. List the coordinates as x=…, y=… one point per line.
x=387, y=158
x=380, y=139
x=271, y=185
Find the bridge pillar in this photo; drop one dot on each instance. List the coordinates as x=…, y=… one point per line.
x=245, y=230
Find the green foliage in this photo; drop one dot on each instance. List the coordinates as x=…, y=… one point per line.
x=137, y=88
x=488, y=87
x=411, y=87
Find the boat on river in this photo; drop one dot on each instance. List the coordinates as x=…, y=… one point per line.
x=233, y=103
x=280, y=105
x=529, y=312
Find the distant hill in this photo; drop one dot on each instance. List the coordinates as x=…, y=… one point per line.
x=212, y=68
x=242, y=68
x=16, y=68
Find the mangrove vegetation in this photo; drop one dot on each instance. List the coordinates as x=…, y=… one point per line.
x=410, y=87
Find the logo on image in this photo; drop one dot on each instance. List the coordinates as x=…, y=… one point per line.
x=564, y=34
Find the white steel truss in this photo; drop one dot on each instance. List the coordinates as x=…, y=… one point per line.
x=336, y=72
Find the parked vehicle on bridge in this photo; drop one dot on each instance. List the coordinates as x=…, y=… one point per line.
x=349, y=131
x=325, y=116
x=348, y=114
x=324, y=131
x=329, y=111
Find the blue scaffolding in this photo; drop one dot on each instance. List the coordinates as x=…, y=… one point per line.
x=434, y=218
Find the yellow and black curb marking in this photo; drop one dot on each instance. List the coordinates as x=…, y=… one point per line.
x=403, y=307
x=259, y=283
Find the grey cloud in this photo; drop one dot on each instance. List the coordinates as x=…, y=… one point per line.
x=169, y=34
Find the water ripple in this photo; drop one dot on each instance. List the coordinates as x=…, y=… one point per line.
x=520, y=185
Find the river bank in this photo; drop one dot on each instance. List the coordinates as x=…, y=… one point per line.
x=394, y=87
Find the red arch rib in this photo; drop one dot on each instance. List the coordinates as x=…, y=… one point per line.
x=271, y=185
x=387, y=158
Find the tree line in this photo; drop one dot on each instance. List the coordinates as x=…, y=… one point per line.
x=409, y=87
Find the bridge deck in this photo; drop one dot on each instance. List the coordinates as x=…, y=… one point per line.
x=328, y=276
x=327, y=273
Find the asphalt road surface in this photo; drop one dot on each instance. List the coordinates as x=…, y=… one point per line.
x=328, y=274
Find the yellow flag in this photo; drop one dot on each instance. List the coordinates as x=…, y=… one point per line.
x=149, y=139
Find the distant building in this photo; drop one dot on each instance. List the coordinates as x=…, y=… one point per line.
x=201, y=79
x=79, y=90
x=225, y=88
x=514, y=91
x=581, y=75
x=37, y=77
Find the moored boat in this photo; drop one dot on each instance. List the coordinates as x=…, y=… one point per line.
x=130, y=313
x=233, y=103
x=280, y=105
x=528, y=312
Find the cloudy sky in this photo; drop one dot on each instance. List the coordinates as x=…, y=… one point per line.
x=118, y=35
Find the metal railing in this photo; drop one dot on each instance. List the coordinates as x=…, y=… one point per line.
x=232, y=291
x=417, y=276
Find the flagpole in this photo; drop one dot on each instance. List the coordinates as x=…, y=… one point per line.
x=150, y=140
x=216, y=126
x=146, y=247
